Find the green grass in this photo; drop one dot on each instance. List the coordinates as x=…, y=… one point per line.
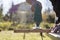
x=10, y=35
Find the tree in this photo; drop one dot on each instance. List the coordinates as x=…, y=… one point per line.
x=1, y=14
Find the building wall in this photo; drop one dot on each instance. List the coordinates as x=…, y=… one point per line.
x=23, y=14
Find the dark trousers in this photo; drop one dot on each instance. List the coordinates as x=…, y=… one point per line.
x=37, y=24
x=58, y=21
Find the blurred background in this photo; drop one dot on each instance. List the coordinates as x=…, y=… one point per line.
x=12, y=16
x=15, y=15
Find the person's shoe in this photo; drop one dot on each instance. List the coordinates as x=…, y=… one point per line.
x=36, y=27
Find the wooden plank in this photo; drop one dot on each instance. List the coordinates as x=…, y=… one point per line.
x=31, y=30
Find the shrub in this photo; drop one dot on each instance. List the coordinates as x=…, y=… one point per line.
x=5, y=25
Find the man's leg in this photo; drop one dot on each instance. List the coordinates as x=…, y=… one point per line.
x=58, y=21
x=37, y=25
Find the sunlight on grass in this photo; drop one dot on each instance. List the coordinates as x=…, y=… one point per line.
x=10, y=35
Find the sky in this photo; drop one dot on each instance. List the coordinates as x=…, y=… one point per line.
x=8, y=3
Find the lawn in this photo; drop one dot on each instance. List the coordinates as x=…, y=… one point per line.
x=10, y=35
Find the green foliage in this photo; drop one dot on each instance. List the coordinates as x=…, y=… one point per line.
x=1, y=15
x=51, y=19
x=45, y=25
x=5, y=25
x=48, y=18
x=10, y=26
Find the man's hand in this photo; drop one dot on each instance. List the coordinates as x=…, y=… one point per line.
x=32, y=8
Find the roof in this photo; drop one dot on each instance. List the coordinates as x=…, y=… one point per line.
x=14, y=8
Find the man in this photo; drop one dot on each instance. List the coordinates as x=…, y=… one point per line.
x=56, y=7
x=37, y=7
x=27, y=6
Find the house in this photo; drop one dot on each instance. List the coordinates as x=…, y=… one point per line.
x=21, y=13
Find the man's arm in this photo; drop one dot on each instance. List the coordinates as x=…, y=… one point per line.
x=40, y=4
x=32, y=8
